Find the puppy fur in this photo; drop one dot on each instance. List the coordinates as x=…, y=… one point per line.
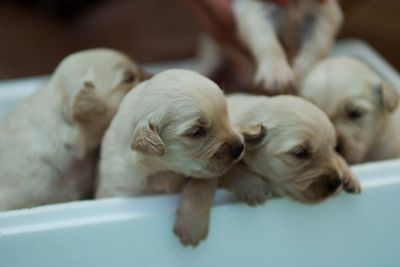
x=290, y=151
x=361, y=106
x=175, y=122
x=306, y=29
x=49, y=141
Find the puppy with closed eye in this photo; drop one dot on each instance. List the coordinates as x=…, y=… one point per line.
x=177, y=122
x=290, y=151
x=361, y=106
x=286, y=38
x=49, y=142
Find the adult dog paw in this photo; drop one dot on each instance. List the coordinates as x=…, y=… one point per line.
x=275, y=77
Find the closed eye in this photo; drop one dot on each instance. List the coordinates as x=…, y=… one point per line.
x=354, y=114
x=300, y=153
x=196, y=132
x=358, y=109
x=129, y=78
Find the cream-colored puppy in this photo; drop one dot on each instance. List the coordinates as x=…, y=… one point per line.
x=177, y=121
x=49, y=142
x=361, y=106
x=306, y=28
x=290, y=151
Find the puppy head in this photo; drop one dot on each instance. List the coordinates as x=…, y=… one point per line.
x=356, y=100
x=184, y=125
x=93, y=83
x=292, y=145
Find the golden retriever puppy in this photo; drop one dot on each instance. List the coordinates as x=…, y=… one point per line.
x=290, y=151
x=286, y=38
x=49, y=142
x=361, y=106
x=175, y=122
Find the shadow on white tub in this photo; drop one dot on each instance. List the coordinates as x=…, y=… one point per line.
x=347, y=230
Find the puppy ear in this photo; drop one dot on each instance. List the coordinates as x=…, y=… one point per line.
x=147, y=141
x=254, y=134
x=87, y=104
x=389, y=96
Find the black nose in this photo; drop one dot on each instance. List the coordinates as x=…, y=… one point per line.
x=236, y=150
x=333, y=184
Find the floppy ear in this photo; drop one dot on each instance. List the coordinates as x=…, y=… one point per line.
x=147, y=141
x=87, y=104
x=389, y=97
x=254, y=135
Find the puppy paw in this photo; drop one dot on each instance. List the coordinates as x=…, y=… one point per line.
x=252, y=193
x=275, y=77
x=190, y=231
x=352, y=186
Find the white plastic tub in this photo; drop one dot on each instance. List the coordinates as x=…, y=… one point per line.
x=344, y=231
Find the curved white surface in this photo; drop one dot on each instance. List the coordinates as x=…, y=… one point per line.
x=347, y=230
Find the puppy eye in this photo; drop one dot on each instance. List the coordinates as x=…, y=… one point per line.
x=354, y=114
x=300, y=153
x=197, y=132
x=129, y=78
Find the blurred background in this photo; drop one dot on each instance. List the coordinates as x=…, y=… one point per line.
x=36, y=34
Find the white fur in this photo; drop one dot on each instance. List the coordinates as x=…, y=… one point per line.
x=261, y=23
x=339, y=85
x=173, y=102
x=270, y=164
x=47, y=155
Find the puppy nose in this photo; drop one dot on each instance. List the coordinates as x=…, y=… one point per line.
x=236, y=150
x=333, y=184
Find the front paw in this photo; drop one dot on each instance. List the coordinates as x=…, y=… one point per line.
x=352, y=185
x=190, y=231
x=251, y=193
x=275, y=77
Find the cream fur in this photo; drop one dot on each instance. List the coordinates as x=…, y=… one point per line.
x=154, y=134
x=49, y=142
x=307, y=29
x=270, y=165
x=343, y=85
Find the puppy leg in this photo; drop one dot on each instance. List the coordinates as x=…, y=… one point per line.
x=193, y=213
x=319, y=37
x=350, y=182
x=248, y=187
x=257, y=32
x=209, y=57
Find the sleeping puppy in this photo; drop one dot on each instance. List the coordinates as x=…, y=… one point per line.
x=175, y=122
x=48, y=143
x=306, y=29
x=290, y=151
x=361, y=106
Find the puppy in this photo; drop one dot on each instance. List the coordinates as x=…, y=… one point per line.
x=306, y=29
x=48, y=143
x=361, y=106
x=290, y=151
x=175, y=122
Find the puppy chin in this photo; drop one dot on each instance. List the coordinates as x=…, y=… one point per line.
x=310, y=195
x=213, y=170
x=208, y=174
x=204, y=174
